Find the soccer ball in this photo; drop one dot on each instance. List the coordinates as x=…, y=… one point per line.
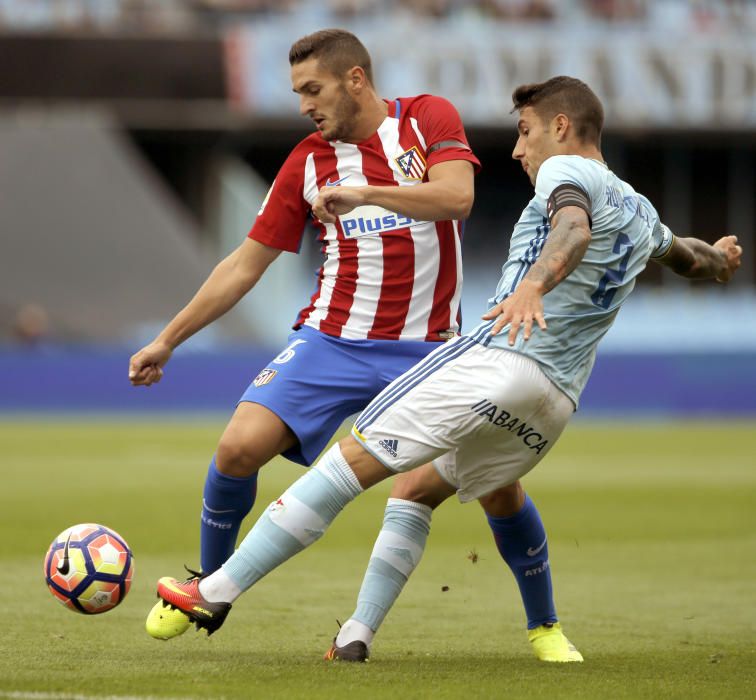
x=88, y=568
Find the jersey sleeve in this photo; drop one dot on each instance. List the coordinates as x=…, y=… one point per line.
x=567, y=170
x=441, y=127
x=283, y=214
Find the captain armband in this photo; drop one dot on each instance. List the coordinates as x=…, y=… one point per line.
x=451, y=143
x=665, y=246
x=568, y=195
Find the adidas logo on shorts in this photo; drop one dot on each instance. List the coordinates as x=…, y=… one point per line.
x=391, y=446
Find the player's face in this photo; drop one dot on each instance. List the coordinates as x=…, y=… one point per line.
x=325, y=99
x=535, y=142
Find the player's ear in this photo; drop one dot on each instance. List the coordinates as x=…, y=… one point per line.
x=560, y=125
x=356, y=79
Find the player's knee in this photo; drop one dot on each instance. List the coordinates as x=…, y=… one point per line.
x=235, y=458
x=505, y=501
x=416, y=494
x=416, y=486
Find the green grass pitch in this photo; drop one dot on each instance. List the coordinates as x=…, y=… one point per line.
x=652, y=532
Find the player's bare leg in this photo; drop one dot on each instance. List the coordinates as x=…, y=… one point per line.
x=368, y=470
x=504, y=502
x=422, y=485
x=253, y=436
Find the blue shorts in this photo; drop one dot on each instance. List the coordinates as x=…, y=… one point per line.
x=318, y=381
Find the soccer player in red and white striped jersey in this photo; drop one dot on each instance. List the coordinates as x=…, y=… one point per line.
x=388, y=184
x=393, y=267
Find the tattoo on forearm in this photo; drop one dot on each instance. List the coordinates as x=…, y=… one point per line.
x=562, y=253
x=696, y=259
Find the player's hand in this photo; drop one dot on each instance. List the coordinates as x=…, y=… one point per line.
x=332, y=201
x=732, y=252
x=146, y=366
x=519, y=310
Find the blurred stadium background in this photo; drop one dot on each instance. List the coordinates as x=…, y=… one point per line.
x=138, y=137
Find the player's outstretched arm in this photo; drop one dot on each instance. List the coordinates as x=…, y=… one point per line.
x=696, y=259
x=231, y=279
x=448, y=194
x=565, y=247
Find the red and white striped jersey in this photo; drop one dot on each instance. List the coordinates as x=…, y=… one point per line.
x=385, y=276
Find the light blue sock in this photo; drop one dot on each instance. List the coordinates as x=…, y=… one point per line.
x=294, y=521
x=396, y=553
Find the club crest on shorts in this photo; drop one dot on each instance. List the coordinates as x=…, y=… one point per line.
x=411, y=163
x=265, y=376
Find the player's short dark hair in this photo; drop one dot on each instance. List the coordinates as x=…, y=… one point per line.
x=337, y=50
x=568, y=96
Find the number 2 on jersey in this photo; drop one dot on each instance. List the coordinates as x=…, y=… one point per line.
x=607, y=286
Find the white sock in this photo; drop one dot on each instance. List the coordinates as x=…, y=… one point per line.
x=219, y=588
x=352, y=631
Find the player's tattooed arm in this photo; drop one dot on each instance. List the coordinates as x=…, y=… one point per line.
x=696, y=259
x=565, y=247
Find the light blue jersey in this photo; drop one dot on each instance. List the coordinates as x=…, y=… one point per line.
x=626, y=232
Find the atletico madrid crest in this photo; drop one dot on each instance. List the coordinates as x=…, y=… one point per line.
x=265, y=376
x=411, y=163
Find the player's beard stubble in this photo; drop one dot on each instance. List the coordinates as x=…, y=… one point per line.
x=343, y=119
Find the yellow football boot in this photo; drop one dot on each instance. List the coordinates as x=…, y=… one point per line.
x=550, y=644
x=165, y=622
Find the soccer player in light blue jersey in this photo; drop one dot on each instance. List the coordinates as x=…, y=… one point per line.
x=483, y=409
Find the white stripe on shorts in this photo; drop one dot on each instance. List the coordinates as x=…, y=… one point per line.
x=399, y=387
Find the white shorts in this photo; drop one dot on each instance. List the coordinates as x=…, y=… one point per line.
x=484, y=416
